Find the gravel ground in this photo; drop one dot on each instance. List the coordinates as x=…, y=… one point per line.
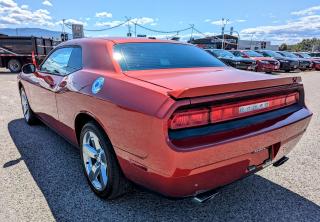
x=41, y=178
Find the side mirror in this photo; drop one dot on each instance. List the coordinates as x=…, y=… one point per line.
x=28, y=68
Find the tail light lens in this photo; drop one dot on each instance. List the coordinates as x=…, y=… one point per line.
x=189, y=118
x=251, y=107
x=215, y=114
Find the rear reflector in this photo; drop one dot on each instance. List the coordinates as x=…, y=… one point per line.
x=215, y=114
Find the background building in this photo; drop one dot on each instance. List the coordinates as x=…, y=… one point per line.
x=255, y=45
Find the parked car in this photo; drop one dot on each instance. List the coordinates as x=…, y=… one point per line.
x=304, y=64
x=163, y=114
x=315, y=61
x=264, y=64
x=286, y=64
x=315, y=54
x=232, y=60
x=15, y=51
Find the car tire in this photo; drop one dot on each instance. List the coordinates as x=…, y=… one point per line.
x=14, y=66
x=288, y=70
x=28, y=114
x=97, y=154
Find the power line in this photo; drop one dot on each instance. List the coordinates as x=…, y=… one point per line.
x=99, y=30
x=163, y=32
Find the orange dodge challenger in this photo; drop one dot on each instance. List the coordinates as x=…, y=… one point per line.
x=162, y=114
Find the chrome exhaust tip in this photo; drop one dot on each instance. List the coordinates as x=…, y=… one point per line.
x=281, y=161
x=205, y=196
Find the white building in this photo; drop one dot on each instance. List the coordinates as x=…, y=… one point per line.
x=255, y=45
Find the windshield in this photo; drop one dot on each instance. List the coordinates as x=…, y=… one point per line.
x=149, y=55
x=222, y=53
x=305, y=55
x=273, y=54
x=289, y=54
x=253, y=54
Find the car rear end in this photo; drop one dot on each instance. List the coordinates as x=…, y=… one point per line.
x=245, y=65
x=268, y=65
x=217, y=124
x=211, y=141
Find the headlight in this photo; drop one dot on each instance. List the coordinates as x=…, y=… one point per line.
x=264, y=62
x=237, y=63
x=283, y=60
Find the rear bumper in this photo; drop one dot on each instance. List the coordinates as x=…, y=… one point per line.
x=289, y=66
x=193, y=172
x=316, y=66
x=268, y=67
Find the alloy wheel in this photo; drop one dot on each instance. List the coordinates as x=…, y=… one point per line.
x=95, y=162
x=25, y=105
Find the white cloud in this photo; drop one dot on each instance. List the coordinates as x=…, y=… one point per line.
x=8, y=3
x=291, y=32
x=240, y=20
x=24, y=6
x=104, y=15
x=308, y=11
x=108, y=24
x=71, y=21
x=143, y=20
x=13, y=14
x=219, y=22
x=47, y=3
x=140, y=21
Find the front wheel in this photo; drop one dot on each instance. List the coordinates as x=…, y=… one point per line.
x=100, y=165
x=14, y=65
x=28, y=114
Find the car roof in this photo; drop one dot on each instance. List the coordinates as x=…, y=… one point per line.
x=117, y=40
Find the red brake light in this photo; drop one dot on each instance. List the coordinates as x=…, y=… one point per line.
x=248, y=108
x=204, y=116
x=189, y=118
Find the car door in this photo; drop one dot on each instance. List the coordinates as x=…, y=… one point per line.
x=46, y=82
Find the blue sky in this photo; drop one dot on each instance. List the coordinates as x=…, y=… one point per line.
x=275, y=20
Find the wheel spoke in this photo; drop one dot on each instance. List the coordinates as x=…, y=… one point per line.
x=90, y=151
x=95, y=171
x=103, y=175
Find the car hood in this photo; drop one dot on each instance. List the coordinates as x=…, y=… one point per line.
x=196, y=78
x=263, y=59
x=286, y=58
x=236, y=59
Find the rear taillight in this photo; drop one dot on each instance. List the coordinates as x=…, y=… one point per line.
x=249, y=108
x=215, y=114
x=189, y=118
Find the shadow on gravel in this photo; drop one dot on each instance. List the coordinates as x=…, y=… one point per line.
x=55, y=166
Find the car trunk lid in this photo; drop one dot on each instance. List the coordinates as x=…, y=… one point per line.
x=196, y=82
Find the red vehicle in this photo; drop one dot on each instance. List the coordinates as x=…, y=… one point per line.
x=315, y=61
x=163, y=114
x=264, y=64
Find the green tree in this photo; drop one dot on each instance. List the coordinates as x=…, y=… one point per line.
x=283, y=47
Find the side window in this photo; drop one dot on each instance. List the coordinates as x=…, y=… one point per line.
x=57, y=62
x=63, y=61
x=75, y=61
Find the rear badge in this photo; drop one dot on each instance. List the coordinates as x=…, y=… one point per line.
x=253, y=107
x=97, y=85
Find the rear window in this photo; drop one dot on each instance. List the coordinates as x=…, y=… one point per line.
x=147, y=56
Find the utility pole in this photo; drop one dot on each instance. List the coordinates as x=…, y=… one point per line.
x=224, y=23
x=129, y=27
x=63, y=30
x=192, y=27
